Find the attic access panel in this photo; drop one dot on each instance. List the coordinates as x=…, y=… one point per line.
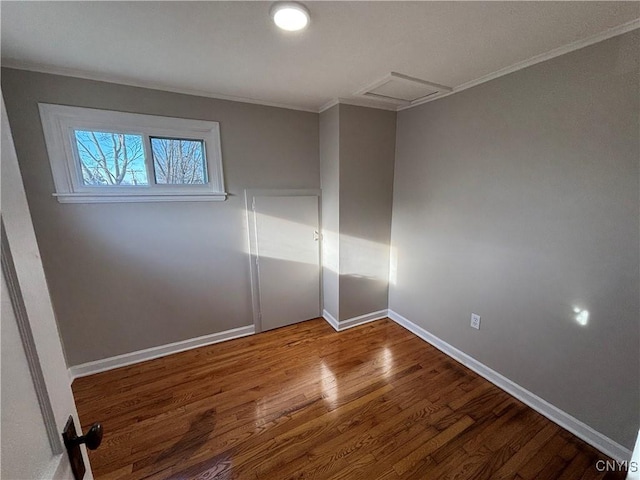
x=402, y=89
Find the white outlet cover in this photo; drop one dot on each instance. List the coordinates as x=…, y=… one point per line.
x=475, y=321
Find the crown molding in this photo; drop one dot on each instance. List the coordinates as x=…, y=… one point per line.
x=331, y=103
x=356, y=102
x=102, y=77
x=556, y=52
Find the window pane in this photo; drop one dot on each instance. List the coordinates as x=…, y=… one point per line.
x=111, y=158
x=178, y=161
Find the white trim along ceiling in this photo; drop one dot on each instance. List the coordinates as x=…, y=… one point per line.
x=347, y=48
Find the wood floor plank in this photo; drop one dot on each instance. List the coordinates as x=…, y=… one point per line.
x=306, y=402
x=550, y=470
x=433, y=444
x=532, y=468
x=527, y=452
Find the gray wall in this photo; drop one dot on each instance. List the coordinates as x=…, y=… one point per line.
x=330, y=181
x=367, y=152
x=125, y=277
x=518, y=200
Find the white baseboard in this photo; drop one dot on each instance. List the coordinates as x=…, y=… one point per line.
x=331, y=320
x=355, y=321
x=359, y=320
x=566, y=421
x=118, y=361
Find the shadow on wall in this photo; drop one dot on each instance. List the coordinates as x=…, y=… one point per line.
x=132, y=276
x=356, y=258
x=182, y=280
x=356, y=270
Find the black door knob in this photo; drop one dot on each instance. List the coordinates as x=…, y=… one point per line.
x=72, y=441
x=92, y=439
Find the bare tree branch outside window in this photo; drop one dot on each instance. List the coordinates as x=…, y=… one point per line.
x=111, y=158
x=178, y=161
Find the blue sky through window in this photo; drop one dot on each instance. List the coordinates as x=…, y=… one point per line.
x=108, y=158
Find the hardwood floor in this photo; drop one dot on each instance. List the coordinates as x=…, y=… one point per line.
x=372, y=402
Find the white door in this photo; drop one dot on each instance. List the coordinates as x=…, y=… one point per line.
x=288, y=259
x=36, y=392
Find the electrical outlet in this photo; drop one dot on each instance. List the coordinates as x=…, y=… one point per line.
x=475, y=321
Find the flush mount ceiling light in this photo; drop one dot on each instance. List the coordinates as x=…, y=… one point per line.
x=290, y=16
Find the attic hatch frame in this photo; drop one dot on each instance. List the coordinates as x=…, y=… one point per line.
x=434, y=89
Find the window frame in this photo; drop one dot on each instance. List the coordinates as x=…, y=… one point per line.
x=59, y=123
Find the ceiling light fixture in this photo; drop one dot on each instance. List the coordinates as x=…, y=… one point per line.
x=290, y=16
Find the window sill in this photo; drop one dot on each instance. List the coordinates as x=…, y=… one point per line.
x=119, y=198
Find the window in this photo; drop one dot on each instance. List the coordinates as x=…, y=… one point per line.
x=106, y=156
x=178, y=161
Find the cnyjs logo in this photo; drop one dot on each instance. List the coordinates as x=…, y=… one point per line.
x=616, y=466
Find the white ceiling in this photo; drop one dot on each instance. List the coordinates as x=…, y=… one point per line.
x=232, y=48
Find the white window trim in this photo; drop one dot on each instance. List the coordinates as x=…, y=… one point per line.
x=59, y=123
